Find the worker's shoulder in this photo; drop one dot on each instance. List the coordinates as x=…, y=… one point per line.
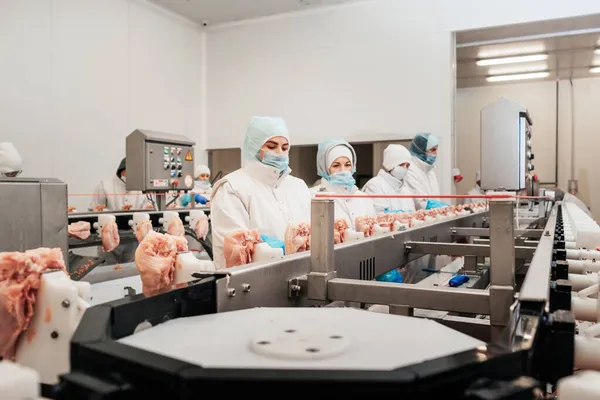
x=296, y=182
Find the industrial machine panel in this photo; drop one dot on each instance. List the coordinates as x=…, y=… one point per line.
x=158, y=162
x=33, y=214
x=506, y=154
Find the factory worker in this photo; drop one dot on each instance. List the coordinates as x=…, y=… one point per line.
x=476, y=191
x=421, y=177
x=262, y=194
x=202, y=183
x=201, y=191
x=10, y=161
x=111, y=194
x=336, y=163
x=390, y=180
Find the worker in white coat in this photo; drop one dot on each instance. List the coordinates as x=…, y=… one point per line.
x=421, y=177
x=336, y=165
x=476, y=191
x=10, y=161
x=390, y=180
x=111, y=194
x=262, y=194
x=202, y=183
x=201, y=191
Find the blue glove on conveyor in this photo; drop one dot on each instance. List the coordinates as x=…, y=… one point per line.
x=458, y=280
x=274, y=242
x=392, y=276
x=435, y=204
x=185, y=199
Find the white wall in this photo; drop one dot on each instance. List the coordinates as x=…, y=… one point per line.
x=540, y=99
x=357, y=70
x=77, y=76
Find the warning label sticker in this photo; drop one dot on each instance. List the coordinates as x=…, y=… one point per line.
x=188, y=156
x=162, y=183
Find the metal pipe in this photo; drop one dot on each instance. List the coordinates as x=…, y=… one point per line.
x=373, y=292
x=530, y=233
x=462, y=249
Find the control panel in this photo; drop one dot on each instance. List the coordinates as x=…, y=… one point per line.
x=159, y=161
x=506, y=146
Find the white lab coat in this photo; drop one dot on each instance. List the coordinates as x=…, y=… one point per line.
x=112, y=186
x=384, y=183
x=476, y=191
x=422, y=179
x=202, y=189
x=348, y=209
x=256, y=196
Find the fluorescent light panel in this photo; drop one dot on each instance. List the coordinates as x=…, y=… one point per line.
x=518, y=77
x=597, y=51
x=510, y=50
x=517, y=69
x=595, y=70
x=511, y=60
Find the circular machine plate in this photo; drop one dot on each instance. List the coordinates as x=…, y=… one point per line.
x=296, y=344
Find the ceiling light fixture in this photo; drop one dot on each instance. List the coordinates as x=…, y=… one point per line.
x=595, y=70
x=597, y=51
x=511, y=60
x=517, y=69
x=518, y=77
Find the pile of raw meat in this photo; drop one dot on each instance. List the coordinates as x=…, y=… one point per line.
x=110, y=236
x=20, y=279
x=155, y=258
x=238, y=246
x=79, y=230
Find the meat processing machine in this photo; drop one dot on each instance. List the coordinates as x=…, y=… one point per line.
x=254, y=325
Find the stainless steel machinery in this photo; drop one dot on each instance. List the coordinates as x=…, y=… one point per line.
x=506, y=152
x=159, y=162
x=33, y=213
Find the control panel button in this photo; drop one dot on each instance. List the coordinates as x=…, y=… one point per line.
x=180, y=166
x=179, y=159
x=179, y=151
x=166, y=150
x=174, y=182
x=172, y=150
x=166, y=165
x=173, y=174
x=530, y=167
x=180, y=173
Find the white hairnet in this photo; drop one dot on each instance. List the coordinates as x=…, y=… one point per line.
x=259, y=131
x=329, y=151
x=394, y=155
x=201, y=169
x=10, y=160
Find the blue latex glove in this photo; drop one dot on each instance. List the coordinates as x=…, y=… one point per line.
x=388, y=211
x=185, y=199
x=274, y=242
x=458, y=280
x=391, y=276
x=199, y=199
x=435, y=204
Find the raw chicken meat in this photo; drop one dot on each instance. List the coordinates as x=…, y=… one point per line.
x=386, y=221
x=339, y=230
x=142, y=230
x=404, y=218
x=99, y=207
x=127, y=207
x=297, y=238
x=238, y=247
x=201, y=227
x=175, y=227
x=80, y=230
x=71, y=209
x=366, y=225
x=155, y=259
x=110, y=236
x=20, y=277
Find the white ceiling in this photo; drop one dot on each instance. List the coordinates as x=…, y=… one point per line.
x=223, y=11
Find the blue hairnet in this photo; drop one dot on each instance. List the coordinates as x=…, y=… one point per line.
x=259, y=131
x=324, y=148
x=421, y=143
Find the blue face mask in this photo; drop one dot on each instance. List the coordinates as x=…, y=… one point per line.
x=430, y=159
x=342, y=178
x=275, y=160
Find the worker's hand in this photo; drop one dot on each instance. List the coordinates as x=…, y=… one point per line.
x=273, y=242
x=99, y=207
x=185, y=199
x=200, y=199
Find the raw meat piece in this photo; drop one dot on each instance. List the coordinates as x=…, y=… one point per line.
x=155, y=259
x=420, y=215
x=175, y=227
x=366, y=225
x=20, y=278
x=127, y=207
x=80, y=230
x=297, y=238
x=201, y=227
x=71, y=209
x=99, y=207
x=386, y=221
x=404, y=218
x=142, y=230
x=110, y=236
x=339, y=230
x=238, y=247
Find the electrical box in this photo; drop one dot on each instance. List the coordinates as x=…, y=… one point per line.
x=158, y=162
x=506, y=153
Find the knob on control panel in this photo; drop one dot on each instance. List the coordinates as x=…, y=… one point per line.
x=530, y=167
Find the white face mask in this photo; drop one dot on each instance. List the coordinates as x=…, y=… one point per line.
x=124, y=179
x=399, y=172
